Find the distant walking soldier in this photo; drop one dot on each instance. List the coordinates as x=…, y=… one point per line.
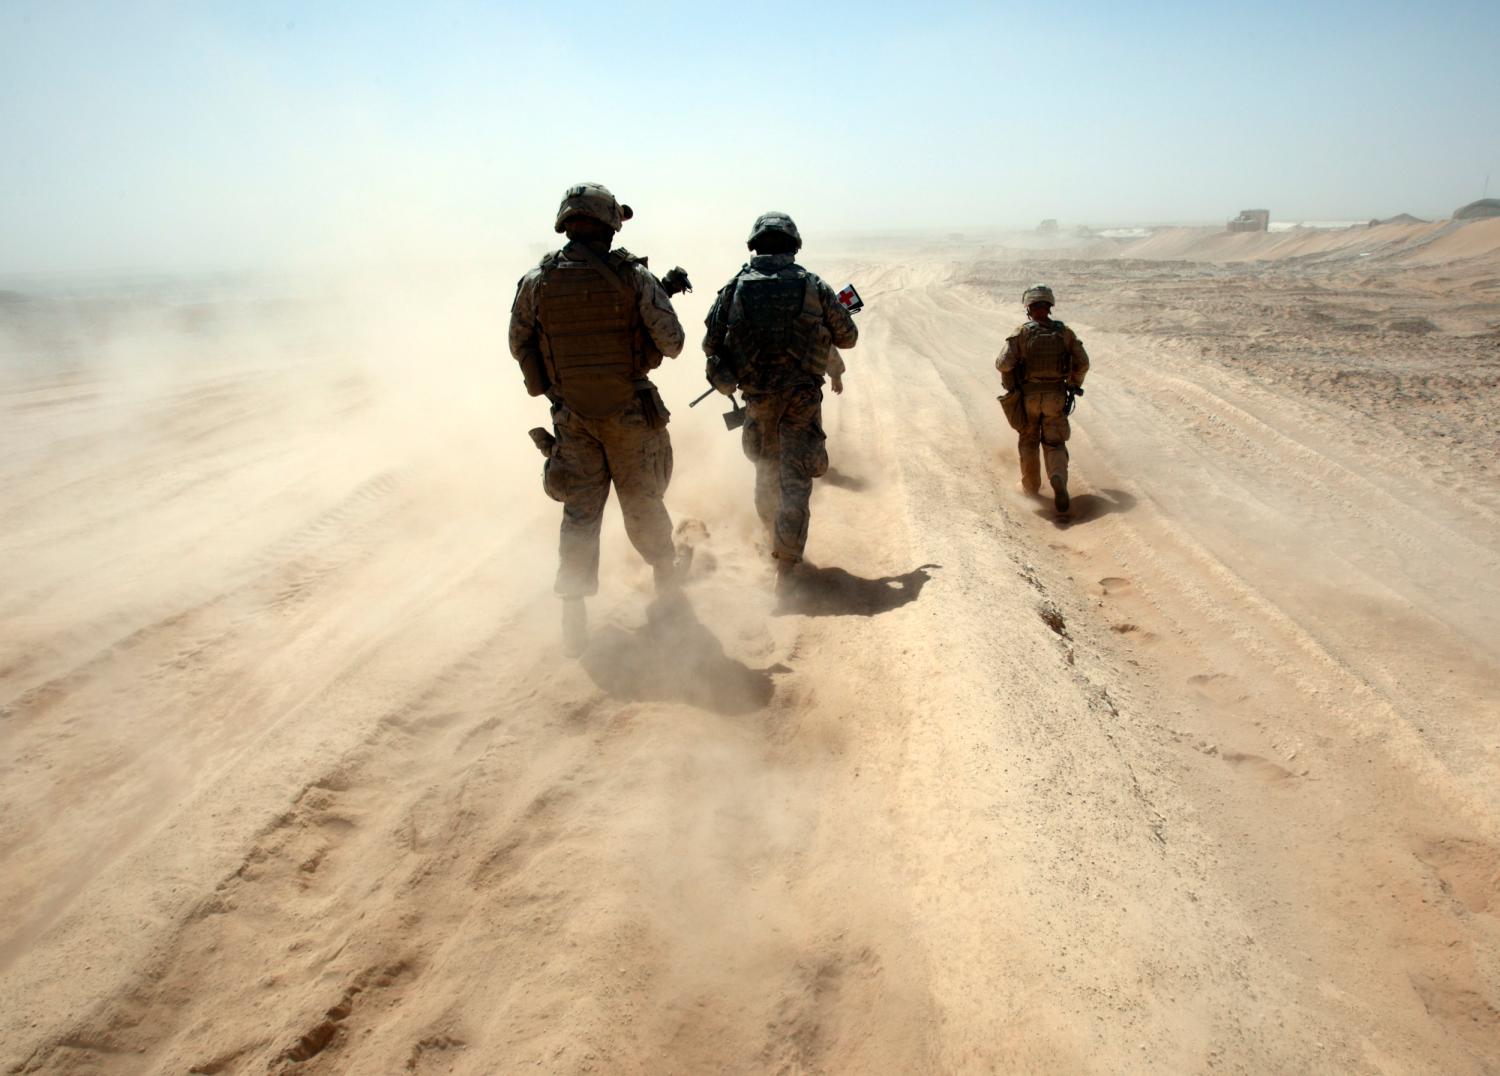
x=1042, y=370
x=587, y=326
x=771, y=334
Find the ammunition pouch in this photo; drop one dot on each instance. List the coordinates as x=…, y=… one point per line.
x=655, y=412
x=534, y=371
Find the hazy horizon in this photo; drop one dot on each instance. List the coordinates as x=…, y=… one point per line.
x=176, y=138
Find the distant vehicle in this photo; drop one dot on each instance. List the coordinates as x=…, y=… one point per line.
x=1251, y=220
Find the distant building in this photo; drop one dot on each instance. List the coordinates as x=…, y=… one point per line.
x=1251, y=220
x=1485, y=207
x=1047, y=227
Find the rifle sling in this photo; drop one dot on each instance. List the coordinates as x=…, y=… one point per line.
x=603, y=269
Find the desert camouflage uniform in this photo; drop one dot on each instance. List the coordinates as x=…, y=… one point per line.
x=604, y=434
x=1044, y=393
x=783, y=432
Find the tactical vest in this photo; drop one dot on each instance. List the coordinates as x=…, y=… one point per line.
x=589, y=334
x=776, y=330
x=1044, y=357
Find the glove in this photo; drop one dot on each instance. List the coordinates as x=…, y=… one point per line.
x=676, y=281
x=721, y=375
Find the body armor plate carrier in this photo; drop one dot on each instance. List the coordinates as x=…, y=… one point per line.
x=1045, y=362
x=773, y=334
x=588, y=336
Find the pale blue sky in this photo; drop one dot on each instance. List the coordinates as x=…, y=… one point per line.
x=234, y=135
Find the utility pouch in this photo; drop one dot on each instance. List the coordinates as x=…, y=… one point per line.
x=655, y=412
x=1013, y=403
x=534, y=371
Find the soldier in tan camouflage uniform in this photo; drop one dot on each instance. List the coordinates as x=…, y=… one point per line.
x=1042, y=367
x=771, y=334
x=587, y=325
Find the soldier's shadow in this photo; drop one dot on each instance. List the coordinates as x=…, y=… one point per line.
x=674, y=658
x=835, y=592
x=837, y=478
x=1089, y=506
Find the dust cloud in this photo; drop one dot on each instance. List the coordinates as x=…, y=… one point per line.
x=253, y=523
x=297, y=778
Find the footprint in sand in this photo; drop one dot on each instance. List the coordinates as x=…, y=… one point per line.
x=1114, y=584
x=1468, y=869
x=1261, y=767
x=1219, y=688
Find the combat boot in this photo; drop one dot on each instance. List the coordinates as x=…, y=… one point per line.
x=543, y=440
x=668, y=577
x=786, y=577
x=575, y=627
x=1060, y=498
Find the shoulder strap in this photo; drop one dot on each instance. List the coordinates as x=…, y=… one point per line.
x=602, y=268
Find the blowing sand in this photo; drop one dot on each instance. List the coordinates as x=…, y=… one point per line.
x=295, y=778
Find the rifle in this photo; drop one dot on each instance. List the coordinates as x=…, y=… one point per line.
x=1074, y=392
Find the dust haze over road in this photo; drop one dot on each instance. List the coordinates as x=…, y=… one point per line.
x=295, y=776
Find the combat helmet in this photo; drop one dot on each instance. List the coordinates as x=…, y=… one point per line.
x=592, y=200
x=774, y=222
x=1037, y=293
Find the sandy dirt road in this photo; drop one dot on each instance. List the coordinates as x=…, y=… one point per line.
x=296, y=779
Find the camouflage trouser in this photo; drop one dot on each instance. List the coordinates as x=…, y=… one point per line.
x=1046, y=433
x=590, y=453
x=784, y=437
